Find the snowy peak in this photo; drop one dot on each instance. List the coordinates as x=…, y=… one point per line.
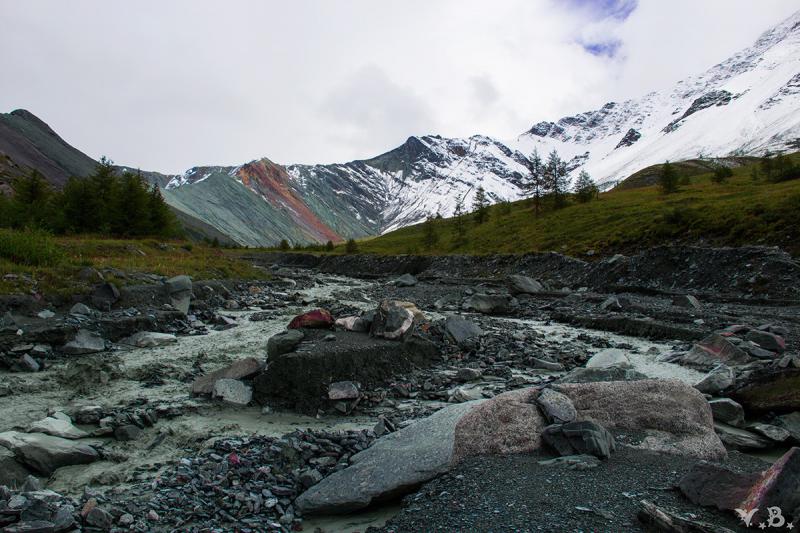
x=744, y=105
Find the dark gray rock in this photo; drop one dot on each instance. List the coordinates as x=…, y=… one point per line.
x=740, y=439
x=577, y=438
x=45, y=453
x=728, y=411
x=284, y=342
x=713, y=350
x=12, y=472
x=518, y=284
x=491, y=304
x=468, y=374
x=128, y=432
x=461, y=329
x=85, y=342
x=105, y=296
x=773, y=433
x=768, y=341
x=343, y=390
x=573, y=462
x=406, y=280
x=99, y=518
x=179, y=290
x=557, y=407
x=546, y=365
x=718, y=379
x=396, y=464
x=687, y=300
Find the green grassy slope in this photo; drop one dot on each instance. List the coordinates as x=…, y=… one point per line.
x=737, y=212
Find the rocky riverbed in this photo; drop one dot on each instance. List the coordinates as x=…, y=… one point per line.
x=188, y=405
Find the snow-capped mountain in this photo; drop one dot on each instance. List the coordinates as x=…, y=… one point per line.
x=746, y=105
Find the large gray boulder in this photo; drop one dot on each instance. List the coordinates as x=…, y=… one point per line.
x=105, y=296
x=491, y=304
x=395, y=464
x=461, y=330
x=12, y=473
x=44, y=453
x=58, y=425
x=518, y=284
x=406, y=280
x=284, y=342
x=609, y=357
x=713, y=350
x=240, y=369
x=718, y=379
x=556, y=407
x=85, y=342
x=179, y=290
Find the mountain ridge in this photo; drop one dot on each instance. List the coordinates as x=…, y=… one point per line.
x=745, y=105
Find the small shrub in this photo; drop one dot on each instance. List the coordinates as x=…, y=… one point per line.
x=188, y=247
x=30, y=247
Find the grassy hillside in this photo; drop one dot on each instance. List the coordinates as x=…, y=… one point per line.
x=32, y=261
x=738, y=212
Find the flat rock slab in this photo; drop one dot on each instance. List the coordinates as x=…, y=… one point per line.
x=770, y=390
x=392, y=466
x=237, y=370
x=85, y=342
x=45, y=453
x=58, y=425
x=149, y=339
x=302, y=377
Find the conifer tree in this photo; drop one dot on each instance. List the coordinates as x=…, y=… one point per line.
x=329, y=246
x=668, y=179
x=556, y=178
x=535, y=185
x=459, y=228
x=480, y=206
x=767, y=166
x=430, y=237
x=351, y=247
x=585, y=188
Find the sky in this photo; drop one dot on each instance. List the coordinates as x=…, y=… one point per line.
x=167, y=85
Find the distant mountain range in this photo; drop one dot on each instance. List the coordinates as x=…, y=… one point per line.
x=746, y=105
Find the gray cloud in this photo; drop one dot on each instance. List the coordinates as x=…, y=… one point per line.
x=167, y=85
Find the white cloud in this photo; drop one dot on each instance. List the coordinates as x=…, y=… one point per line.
x=167, y=85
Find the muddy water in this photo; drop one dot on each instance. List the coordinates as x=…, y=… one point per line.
x=202, y=419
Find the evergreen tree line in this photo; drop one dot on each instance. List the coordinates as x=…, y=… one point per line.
x=103, y=202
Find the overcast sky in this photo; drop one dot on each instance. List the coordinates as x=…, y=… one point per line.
x=165, y=84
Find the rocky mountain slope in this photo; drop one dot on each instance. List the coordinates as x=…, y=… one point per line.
x=746, y=105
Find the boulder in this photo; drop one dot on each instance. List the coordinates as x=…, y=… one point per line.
x=105, y=296
x=128, y=432
x=467, y=374
x=675, y=417
x=491, y=304
x=25, y=363
x=768, y=390
x=45, y=453
x=740, y=439
x=149, y=339
x=773, y=433
x=728, y=411
x=545, y=365
x=791, y=423
x=713, y=350
x=717, y=380
x=460, y=330
x=518, y=284
x=343, y=390
x=572, y=462
x=395, y=464
x=80, y=309
x=316, y=319
x=85, y=342
x=715, y=485
x=232, y=391
x=608, y=358
x=284, y=342
x=57, y=425
x=556, y=407
x=392, y=320
x=687, y=300
x=777, y=487
x=12, y=473
x=241, y=369
x=765, y=339
x=580, y=438
x=301, y=377
x=406, y=280
x=179, y=291
x=592, y=375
